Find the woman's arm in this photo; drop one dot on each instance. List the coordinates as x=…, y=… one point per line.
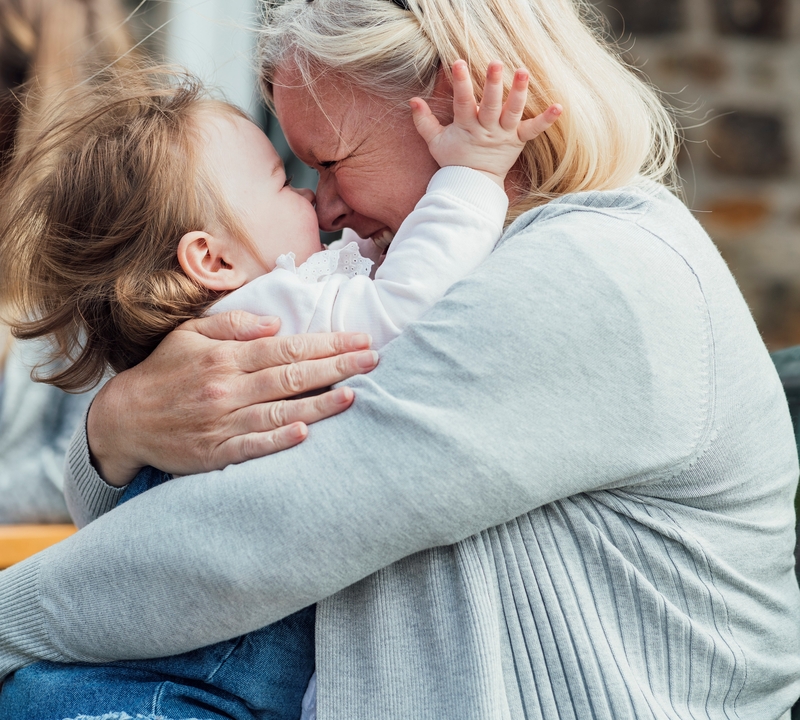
x=550, y=371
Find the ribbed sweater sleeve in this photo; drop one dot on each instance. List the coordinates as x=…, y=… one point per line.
x=88, y=496
x=25, y=640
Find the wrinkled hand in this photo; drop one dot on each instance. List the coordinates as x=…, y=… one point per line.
x=488, y=138
x=215, y=392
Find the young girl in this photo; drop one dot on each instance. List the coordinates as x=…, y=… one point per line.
x=153, y=205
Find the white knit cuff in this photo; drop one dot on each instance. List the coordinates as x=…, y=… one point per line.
x=473, y=188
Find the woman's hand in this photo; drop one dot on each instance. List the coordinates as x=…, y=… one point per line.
x=214, y=393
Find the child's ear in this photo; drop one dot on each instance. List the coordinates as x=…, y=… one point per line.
x=209, y=260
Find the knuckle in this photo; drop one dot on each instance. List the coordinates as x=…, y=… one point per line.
x=215, y=392
x=248, y=447
x=291, y=379
x=346, y=365
x=211, y=457
x=239, y=320
x=293, y=348
x=276, y=414
x=219, y=356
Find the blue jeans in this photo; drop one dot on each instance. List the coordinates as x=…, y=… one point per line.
x=259, y=676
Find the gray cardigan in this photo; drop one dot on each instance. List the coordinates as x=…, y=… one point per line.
x=36, y=424
x=565, y=492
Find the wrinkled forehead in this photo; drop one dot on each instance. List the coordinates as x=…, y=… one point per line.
x=330, y=114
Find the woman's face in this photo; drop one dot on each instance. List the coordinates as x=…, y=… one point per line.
x=373, y=165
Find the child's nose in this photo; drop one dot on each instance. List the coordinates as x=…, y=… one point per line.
x=307, y=194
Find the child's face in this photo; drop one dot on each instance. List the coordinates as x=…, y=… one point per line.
x=245, y=166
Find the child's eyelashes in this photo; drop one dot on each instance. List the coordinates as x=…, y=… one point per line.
x=289, y=179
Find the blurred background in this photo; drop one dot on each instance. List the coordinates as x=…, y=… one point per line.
x=731, y=68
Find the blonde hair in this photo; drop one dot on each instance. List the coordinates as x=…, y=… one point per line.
x=614, y=128
x=92, y=215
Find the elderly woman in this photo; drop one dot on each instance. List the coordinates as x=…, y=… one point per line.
x=565, y=492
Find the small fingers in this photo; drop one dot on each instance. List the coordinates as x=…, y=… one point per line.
x=517, y=98
x=492, y=101
x=465, y=109
x=428, y=126
x=531, y=129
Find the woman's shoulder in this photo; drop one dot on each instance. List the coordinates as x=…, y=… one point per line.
x=636, y=260
x=644, y=204
x=640, y=240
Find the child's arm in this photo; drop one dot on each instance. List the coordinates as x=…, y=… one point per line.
x=451, y=231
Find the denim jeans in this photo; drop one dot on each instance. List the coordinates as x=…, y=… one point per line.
x=259, y=676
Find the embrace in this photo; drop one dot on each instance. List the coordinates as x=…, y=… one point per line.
x=554, y=478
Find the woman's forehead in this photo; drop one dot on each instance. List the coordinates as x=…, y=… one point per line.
x=323, y=119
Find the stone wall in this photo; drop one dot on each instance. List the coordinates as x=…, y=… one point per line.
x=734, y=66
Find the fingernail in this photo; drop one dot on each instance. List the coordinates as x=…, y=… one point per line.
x=297, y=431
x=367, y=360
x=343, y=396
x=362, y=340
x=267, y=320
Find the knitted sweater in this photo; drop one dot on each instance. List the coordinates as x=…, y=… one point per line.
x=565, y=492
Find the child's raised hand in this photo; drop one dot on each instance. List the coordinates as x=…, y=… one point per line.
x=488, y=138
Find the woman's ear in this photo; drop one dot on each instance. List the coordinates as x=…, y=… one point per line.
x=210, y=261
x=441, y=102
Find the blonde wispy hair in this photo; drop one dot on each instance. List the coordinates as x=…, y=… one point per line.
x=615, y=128
x=92, y=214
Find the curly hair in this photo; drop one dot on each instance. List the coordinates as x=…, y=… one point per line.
x=92, y=215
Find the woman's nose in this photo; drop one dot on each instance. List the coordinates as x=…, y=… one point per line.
x=306, y=193
x=332, y=211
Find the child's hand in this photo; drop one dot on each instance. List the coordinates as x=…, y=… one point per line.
x=490, y=138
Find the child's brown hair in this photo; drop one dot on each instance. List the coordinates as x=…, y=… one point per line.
x=91, y=219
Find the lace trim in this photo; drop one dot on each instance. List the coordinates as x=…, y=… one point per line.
x=320, y=266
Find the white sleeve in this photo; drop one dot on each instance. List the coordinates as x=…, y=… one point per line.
x=453, y=229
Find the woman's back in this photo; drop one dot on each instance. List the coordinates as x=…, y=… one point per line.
x=655, y=576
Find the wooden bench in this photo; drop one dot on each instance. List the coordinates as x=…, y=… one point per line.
x=20, y=541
